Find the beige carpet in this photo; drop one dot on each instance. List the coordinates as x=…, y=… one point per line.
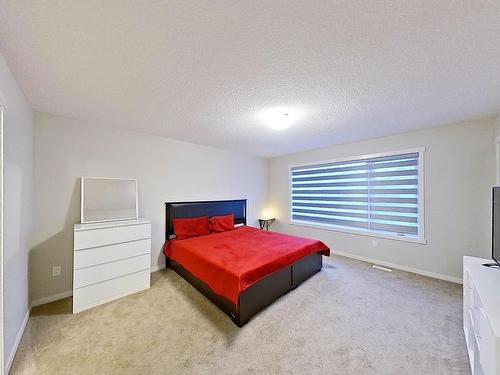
x=348, y=319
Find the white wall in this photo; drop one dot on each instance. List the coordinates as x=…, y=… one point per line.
x=18, y=198
x=167, y=170
x=459, y=174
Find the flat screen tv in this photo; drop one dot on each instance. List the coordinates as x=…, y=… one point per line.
x=496, y=226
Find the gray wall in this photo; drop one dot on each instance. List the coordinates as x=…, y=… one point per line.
x=18, y=198
x=459, y=174
x=167, y=170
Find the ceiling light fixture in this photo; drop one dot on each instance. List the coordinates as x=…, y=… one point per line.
x=279, y=118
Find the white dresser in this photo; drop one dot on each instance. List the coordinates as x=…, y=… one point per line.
x=110, y=260
x=482, y=315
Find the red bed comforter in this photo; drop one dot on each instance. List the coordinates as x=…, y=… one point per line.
x=229, y=262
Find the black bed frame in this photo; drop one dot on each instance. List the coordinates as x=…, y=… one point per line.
x=259, y=295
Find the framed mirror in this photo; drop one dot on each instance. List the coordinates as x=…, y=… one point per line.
x=108, y=199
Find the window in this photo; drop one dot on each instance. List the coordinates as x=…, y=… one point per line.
x=376, y=194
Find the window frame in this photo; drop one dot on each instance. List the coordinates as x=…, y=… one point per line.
x=421, y=239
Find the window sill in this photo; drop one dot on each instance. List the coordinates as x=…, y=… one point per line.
x=361, y=232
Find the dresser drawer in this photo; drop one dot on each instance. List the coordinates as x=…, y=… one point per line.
x=486, y=342
x=110, y=253
x=96, y=294
x=85, y=239
x=96, y=274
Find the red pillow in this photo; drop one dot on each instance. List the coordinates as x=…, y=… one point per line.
x=190, y=227
x=221, y=223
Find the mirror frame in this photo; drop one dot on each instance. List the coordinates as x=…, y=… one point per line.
x=82, y=192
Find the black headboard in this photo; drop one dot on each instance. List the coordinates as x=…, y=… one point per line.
x=204, y=208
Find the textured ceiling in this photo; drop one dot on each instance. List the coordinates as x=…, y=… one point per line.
x=201, y=71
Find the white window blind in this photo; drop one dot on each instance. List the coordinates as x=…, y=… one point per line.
x=376, y=194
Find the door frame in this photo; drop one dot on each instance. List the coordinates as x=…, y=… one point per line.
x=3, y=108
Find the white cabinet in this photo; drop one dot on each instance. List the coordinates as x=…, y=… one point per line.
x=111, y=260
x=482, y=315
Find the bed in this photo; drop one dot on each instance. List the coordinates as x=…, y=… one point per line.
x=241, y=271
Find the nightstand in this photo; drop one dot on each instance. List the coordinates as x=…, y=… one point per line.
x=266, y=223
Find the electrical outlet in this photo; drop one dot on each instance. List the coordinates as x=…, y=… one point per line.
x=374, y=243
x=56, y=271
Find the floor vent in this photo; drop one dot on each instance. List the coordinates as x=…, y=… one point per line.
x=382, y=268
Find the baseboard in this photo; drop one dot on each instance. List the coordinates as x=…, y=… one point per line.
x=157, y=267
x=52, y=298
x=13, y=352
x=399, y=267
